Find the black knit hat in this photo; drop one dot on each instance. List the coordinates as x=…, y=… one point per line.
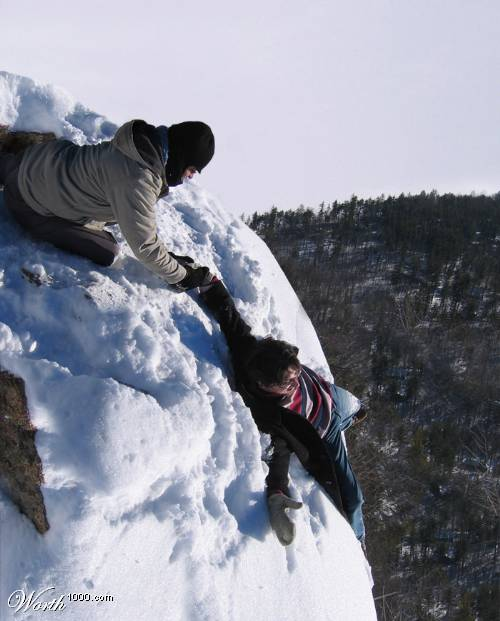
x=190, y=143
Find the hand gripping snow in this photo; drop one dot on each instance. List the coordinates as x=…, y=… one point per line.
x=280, y=522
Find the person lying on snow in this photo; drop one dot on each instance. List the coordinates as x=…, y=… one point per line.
x=65, y=194
x=302, y=412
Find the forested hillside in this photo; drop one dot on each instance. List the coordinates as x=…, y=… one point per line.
x=404, y=293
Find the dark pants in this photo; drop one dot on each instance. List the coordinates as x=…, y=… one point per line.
x=98, y=246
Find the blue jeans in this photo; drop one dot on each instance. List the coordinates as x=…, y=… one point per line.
x=346, y=406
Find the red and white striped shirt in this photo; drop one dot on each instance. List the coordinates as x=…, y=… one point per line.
x=312, y=399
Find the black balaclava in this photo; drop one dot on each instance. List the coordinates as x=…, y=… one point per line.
x=190, y=143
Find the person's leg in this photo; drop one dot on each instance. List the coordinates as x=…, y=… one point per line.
x=97, y=245
x=350, y=491
x=346, y=405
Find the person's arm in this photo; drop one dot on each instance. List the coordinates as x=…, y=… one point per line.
x=238, y=333
x=277, y=478
x=278, y=495
x=133, y=203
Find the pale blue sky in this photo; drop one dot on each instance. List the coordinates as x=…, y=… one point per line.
x=308, y=100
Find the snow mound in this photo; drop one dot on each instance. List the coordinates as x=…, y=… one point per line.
x=28, y=106
x=153, y=474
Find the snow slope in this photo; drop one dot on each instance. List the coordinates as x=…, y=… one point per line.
x=153, y=474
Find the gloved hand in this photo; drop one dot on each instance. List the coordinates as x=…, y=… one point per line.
x=189, y=264
x=284, y=528
x=183, y=259
x=195, y=277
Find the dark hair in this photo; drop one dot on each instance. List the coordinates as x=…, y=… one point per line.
x=270, y=360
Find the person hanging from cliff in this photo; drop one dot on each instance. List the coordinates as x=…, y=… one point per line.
x=65, y=194
x=303, y=413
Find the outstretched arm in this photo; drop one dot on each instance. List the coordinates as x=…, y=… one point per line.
x=277, y=478
x=133, y=204
x=238, y=333
x=278, y=496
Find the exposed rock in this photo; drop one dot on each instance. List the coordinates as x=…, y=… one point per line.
x=17, y=142
x=20, y=466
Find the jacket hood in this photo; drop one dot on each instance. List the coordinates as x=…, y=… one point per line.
x=124, y=142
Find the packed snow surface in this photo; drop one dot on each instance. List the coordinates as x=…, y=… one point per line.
x=154, y=483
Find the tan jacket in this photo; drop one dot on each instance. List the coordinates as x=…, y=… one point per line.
x=107, y=182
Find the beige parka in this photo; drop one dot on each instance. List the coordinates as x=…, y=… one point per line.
x=107, y=182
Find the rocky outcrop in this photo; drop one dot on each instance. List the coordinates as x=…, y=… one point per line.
x=20, y=466
x=17, y=142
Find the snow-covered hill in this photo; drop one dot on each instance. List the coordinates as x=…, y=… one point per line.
x=153, y=474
